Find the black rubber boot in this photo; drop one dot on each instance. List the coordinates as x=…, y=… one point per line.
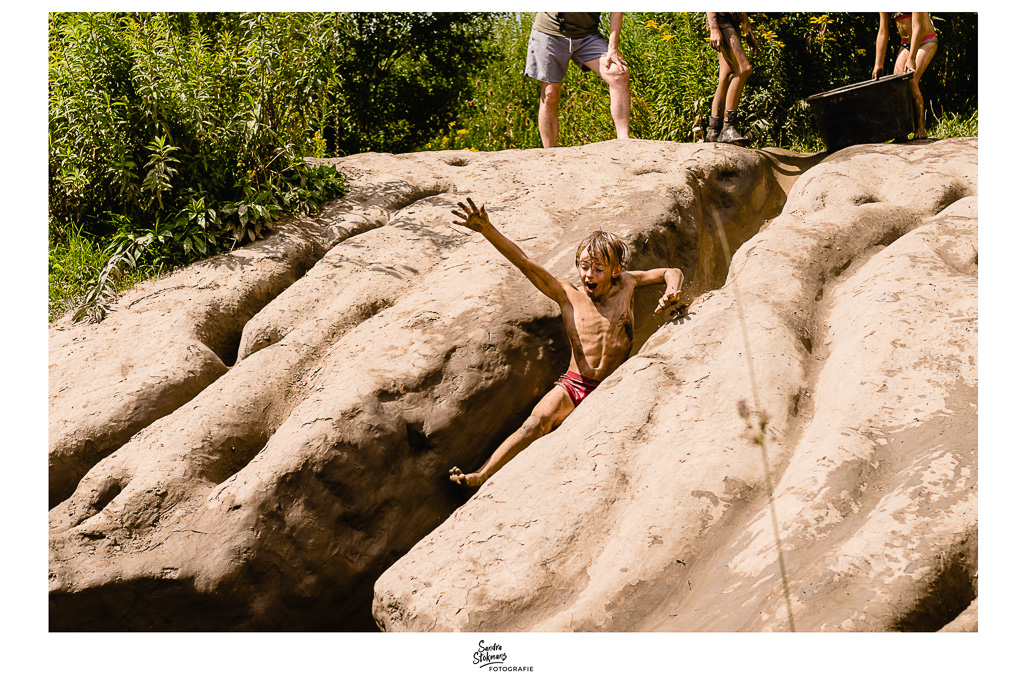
x=714, y=129
x=729, y=133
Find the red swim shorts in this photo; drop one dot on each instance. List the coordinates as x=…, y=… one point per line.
x=578, y=386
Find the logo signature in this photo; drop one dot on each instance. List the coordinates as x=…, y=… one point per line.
x=493, y=658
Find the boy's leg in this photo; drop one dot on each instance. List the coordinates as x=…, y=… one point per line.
x=547, y=114
x=548, y=414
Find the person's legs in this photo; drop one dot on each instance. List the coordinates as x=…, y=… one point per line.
x=724, y=77
x=924, y=57
x=718, y=101
x=547, y=114
x=548, y=414
x=547, y=58
x=732, y=50
x=618, y=93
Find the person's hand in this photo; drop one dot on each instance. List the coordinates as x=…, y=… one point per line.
x=472, y=218
x=668, y=300
x=715, y=38
x=613, y=56
x=876, y=73
x=752, y=42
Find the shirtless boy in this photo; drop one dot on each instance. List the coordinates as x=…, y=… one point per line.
x=598, y=316
x=918, y=44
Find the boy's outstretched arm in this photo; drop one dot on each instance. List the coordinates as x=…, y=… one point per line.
x=673, y=279
x=476, y=220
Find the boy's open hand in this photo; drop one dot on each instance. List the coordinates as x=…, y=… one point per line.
x=472, y=218
x=669, y=300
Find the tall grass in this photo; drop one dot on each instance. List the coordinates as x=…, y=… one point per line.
x=674, y=70
x=75, y=262
x=954, y=126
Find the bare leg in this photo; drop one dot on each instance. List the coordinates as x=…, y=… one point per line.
x=618, y=93
x=732, y=52
x=924, y=58
x=724, y=76
x=901, y=61
x=548, y=414
x=547, y=115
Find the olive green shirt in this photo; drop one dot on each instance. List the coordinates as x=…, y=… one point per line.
x=568, y=24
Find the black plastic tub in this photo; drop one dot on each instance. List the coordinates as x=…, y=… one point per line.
x=867, y=112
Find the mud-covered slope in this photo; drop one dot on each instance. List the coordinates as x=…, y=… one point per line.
x=250, y=442
x=851, y=322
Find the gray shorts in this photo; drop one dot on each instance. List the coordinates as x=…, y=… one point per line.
x=547, y=56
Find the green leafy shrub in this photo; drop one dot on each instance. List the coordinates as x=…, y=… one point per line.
x=171, y=135
x=178, y=135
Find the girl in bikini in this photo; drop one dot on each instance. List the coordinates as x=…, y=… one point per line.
x=919, y=43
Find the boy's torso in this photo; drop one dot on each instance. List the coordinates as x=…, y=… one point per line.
x=600, y=333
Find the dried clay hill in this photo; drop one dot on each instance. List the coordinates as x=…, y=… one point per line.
x=261, y=441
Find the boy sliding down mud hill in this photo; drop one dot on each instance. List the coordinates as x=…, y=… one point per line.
x=598, y=317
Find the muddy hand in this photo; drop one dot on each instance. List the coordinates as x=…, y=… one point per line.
x=472, y=218
x=465, y=479
x=669, y=300
x=715, y=38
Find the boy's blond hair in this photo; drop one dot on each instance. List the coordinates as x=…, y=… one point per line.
x=605, y=245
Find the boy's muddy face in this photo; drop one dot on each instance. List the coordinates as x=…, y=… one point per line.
x=595, y=275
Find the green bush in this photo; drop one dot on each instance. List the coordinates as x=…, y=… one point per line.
x=171, y=136
x=174, y=136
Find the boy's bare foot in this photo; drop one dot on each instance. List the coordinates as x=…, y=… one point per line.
x=470, y=480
